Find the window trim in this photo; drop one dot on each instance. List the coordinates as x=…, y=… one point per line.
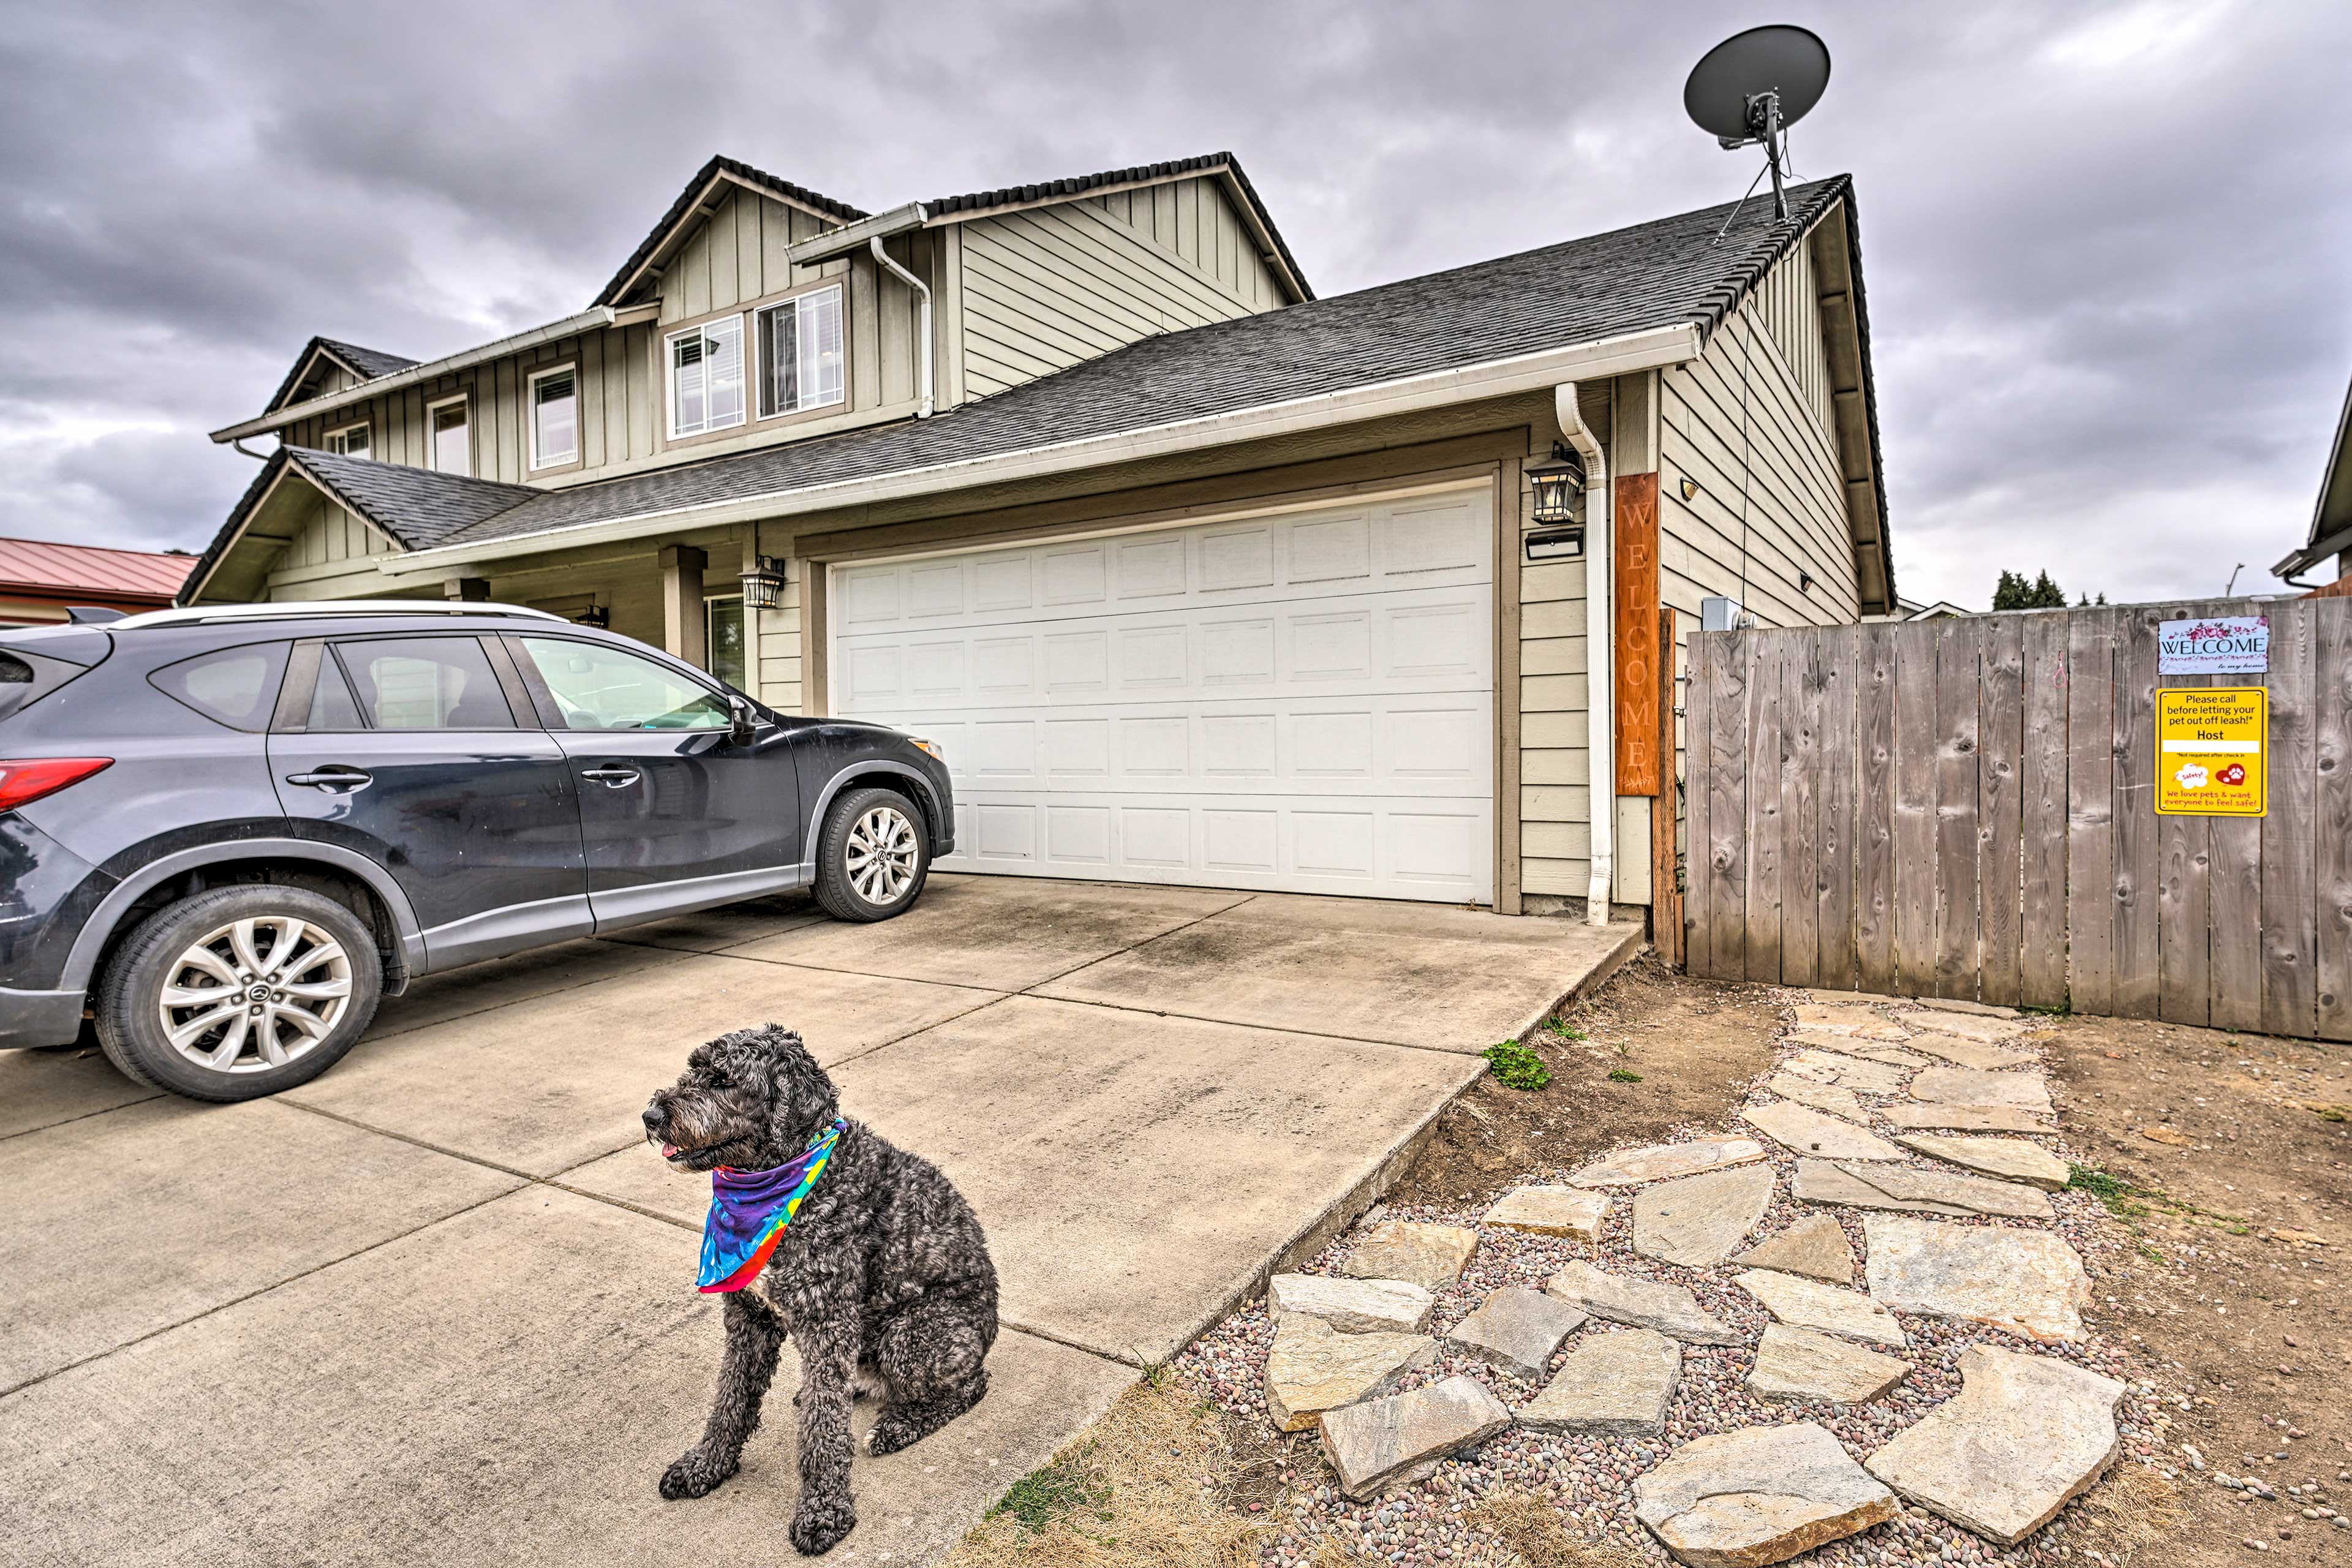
x=669, y=378
x=432, y=437
x=793, y=299
x=328, y=437
x=530, y=416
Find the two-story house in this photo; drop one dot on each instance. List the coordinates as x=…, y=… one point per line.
x=1198, y=578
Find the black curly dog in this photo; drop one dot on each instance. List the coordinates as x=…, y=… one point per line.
x=883, y=1276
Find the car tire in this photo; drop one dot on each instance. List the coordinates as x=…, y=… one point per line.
x=298, y=976
x=873, y=855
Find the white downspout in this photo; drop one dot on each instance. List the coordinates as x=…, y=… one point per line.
x=922, y=293
x=1601, y=646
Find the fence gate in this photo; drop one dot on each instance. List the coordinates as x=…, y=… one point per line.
x=1966, y=809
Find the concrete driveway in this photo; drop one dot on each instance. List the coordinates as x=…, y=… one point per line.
x=439, y=1304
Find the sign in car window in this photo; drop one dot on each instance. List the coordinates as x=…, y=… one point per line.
x=2218, y=645
x=2211, y=748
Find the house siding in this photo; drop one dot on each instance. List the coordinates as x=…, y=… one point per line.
x=1196, y=219
x=1555, y=756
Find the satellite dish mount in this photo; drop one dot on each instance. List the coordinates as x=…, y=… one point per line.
x=1750, y=87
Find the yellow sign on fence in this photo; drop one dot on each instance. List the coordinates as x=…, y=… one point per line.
x=2211, y=743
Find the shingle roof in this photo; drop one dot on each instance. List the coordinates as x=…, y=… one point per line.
x=38, y=563
x=1079, y=185
x=366, y=364
x=703, y=177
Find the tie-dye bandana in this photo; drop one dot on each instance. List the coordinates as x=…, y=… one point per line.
x=748, y=1211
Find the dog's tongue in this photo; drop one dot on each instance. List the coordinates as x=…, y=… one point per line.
x=669, y=1150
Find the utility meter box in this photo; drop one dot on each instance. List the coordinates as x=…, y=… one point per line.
x=1718, y=615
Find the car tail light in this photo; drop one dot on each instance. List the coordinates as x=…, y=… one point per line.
x=21, y=783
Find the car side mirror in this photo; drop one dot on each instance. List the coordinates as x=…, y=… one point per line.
x=738, y=721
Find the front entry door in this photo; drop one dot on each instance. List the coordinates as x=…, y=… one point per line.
x=675, y=814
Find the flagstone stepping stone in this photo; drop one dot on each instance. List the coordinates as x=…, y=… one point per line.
x=1379, y=1444
x=1970, y=1053
x=1867, y=1050
x=2011, y=1159
x=1809, y=1304
x=1965, y=1118
x=1845, y=1072
x=1639, y=1303
x=1516, y=1329
x=1808, y=1131
x=1660, y=1161
x=1610, y=1383
x=1314, y=1368
x=1350, y=1306
x=1759, y=1495
x=1432, y=1256
x=1966, y=1085
x=1550, y=1211
x=1975, y=1027
x=2029, y=1282
x=1815, y=994
x=1958, y=1005
x=1815, y=1246
x=2025, y=1434
x=1820, y=1096
x=1847, y=1018
x=1702, y=1220
x=1805, y=1363
x=1906, y=1189
x=1824, y=1182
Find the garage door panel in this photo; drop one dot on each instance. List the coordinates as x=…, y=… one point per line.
x=1302, y=702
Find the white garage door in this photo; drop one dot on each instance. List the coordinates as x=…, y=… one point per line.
x=1298, y=702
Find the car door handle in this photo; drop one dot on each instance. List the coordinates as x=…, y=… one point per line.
x=335, y=778
x=611, y=777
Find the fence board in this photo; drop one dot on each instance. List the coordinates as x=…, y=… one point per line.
x=1666, y=930
x=2289, y=865
x=1873, y=887
x=1915, y=815
x=2332, y=817
x=1727, y=849
x=1835, y=850
x=2184, y=891
x=2137, y=864
x=2042, y=801
x=1959, y=677
x=1700, y=706
x=2000, y=819
x=1801, y=906
x=1762, y=945
x=2090, y=810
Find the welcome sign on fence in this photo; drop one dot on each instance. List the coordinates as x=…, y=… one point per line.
x=2219, y=645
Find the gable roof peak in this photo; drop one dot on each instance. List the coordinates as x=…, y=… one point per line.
x=365, y=363
x=721, y=168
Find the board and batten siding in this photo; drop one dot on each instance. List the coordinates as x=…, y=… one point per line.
x=1044, y=288
x=1196, y=220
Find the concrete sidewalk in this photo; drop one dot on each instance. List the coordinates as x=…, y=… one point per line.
x=439, y=1303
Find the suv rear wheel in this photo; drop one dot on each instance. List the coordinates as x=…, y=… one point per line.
x=873, y=855
x=238, y=993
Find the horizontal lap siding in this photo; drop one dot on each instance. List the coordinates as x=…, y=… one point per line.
x=1555, y=753
x=1195, y=220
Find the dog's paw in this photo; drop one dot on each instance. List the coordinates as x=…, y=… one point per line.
x=693, y=1476
x=891, y=1431
x=819, y=1527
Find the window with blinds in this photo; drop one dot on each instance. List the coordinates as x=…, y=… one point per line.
x=706, y=377
x=554, y=417
x=453, y=443
x=351, y=441
x=800, y=361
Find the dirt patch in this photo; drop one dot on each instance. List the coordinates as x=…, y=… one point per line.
x=1682, y=1050
x=2239, y=1196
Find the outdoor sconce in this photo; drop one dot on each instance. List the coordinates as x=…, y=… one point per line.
x=1558, y=487
x=763, y=584
x=597, y=616
x=1690, y=490
x=1565, y=543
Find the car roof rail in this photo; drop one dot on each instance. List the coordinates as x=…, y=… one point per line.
x=316, y=609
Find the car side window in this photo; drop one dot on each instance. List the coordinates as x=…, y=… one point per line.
x=236, y=686
x=601, y=687
x=423, y=683
x=333, y=708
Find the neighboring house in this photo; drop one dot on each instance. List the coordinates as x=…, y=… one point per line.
x=39, y=579
x=1198, y=578
x=1913, y=610
x=2331, y=520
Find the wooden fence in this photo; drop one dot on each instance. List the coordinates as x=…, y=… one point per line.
x=1966, y=808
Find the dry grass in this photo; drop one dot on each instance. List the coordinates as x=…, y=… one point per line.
x=2134, y=1507
x=1532, y=1531
x=1144, y=1486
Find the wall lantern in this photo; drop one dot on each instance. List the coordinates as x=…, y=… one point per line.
x=598, y=615
x=763, y=584
x=1558, y=486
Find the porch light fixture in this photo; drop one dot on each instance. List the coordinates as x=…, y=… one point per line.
x=597, y=616
x=763, y=584
x=1558, y=487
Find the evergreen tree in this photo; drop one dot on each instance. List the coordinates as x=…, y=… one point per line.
x=2014, y=592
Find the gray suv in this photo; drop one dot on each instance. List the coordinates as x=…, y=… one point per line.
x=225, y=833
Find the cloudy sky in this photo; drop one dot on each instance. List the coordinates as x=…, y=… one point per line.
x=2107, y=247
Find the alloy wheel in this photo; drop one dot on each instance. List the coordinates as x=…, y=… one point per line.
x=255, y=993
x=881, y=855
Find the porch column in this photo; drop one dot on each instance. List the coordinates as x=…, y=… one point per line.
x=681, y=596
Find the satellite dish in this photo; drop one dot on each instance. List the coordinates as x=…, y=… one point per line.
x=1753, y=86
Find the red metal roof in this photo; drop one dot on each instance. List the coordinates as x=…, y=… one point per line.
x=43, y=567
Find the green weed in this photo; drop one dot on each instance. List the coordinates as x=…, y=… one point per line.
x=1515, y=1065
x=1054, y=1491
x=1619, y=1075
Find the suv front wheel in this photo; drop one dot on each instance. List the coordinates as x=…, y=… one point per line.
x=873, y=855
x=238, y=993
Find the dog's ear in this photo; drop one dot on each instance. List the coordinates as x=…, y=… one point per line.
x=802, y=1098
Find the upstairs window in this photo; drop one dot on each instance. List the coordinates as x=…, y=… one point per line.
x=800, y=354
x=554, y=418
x=452, y=435
x=706, y=377
x=351, y=441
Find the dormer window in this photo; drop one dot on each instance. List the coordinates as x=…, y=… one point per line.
x=452, y=436
x=706, y=377
x=351, y=441
x=554, y=417
x=800, y=352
